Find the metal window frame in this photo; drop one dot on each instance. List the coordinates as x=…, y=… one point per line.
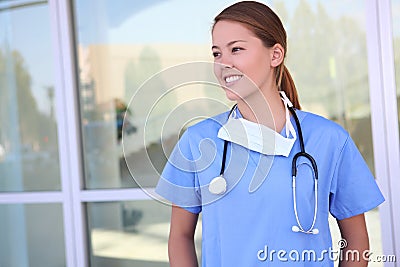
x=68, y=132
x=70, y=140
x=384, y=119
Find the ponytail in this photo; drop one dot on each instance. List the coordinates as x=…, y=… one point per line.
x=286, y=84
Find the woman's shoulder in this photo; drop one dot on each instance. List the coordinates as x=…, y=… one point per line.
x=208, y=127
x=321, y=125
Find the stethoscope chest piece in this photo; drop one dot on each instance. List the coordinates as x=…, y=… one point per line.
x=217, y=185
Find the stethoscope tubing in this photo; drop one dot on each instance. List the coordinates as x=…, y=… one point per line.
x=302, y=153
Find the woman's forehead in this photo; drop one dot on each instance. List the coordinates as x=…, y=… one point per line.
x=225, y=32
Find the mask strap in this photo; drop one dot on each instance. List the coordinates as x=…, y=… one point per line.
x=289, y=126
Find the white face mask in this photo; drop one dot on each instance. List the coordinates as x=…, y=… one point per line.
x=258, y=137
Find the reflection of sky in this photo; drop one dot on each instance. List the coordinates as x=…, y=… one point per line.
x=134, y=21
x=174, y=21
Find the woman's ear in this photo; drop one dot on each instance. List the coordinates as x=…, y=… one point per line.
x=278, y=54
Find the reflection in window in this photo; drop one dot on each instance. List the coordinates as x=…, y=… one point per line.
x=121, y=47
x=129, y=234
x=124, y=137
x=328, y=59
x=32, y=235
x=28, y=130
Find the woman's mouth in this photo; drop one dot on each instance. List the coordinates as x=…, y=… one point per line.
x=232, y=78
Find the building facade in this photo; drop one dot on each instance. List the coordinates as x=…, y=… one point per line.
x=94, y=95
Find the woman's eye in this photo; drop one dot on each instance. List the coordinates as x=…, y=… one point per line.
x=216, y=54
x=236, y=49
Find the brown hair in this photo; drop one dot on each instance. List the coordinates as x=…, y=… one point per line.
x=267, y=26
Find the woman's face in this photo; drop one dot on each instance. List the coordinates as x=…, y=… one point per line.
x=243, y=63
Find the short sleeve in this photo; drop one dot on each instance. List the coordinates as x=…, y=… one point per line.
x=353, y=189
x=178, y=182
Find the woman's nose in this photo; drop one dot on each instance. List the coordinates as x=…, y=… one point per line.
x=226, y=61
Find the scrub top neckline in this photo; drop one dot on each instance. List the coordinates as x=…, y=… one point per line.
x=282, y=132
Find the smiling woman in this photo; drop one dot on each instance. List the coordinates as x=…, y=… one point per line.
x=249, y=48
x=229, y=49
x=79, y=161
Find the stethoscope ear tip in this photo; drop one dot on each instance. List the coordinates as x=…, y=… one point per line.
x=315, y=231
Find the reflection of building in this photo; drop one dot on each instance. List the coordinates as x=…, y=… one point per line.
x=109, y=72
x=86, y=83
x=108, y=64
x=88, y=96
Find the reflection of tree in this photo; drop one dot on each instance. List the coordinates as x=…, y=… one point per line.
x=148, y=64
x=35, y=127
x=324, y=55
x=131, y=81
x=138, y=74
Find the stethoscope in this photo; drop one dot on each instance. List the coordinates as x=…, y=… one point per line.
x=220, y=181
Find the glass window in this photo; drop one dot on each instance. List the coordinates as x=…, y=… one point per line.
x=129, y=234
x=121, y=51
x=327, y=57
x=28, y=126
x=120, y=46
x=32, y=235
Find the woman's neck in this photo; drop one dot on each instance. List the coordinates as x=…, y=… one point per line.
x=265, y=108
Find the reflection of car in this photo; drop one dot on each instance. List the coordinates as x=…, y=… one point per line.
x=2, y=153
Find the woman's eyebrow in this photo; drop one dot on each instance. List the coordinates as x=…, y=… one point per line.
x=229, y=44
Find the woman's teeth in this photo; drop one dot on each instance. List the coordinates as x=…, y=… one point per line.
x=233, y=78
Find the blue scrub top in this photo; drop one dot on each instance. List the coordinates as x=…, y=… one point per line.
x=240, y=228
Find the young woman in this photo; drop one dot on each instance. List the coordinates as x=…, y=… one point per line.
x=263, y=204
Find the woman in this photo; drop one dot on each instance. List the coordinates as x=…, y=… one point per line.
x=252, y=215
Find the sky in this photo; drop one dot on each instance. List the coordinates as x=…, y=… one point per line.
x=131, y=22
x=136, y=24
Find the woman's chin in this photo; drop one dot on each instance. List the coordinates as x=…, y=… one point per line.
x=232, y=96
